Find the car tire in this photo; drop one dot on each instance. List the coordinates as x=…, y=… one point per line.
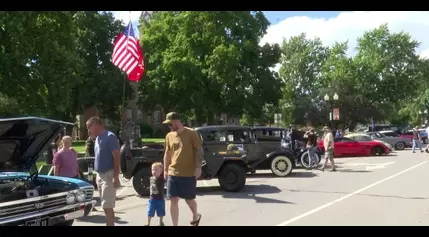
x=376, y=151
x=304, y=160
x=141, y=181
x=400, y=146
x=66, y=223
x=232, y=177
x=281, y=166
x=425, y=141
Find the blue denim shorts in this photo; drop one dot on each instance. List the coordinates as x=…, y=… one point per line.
x=182, y=187
x=156, y=205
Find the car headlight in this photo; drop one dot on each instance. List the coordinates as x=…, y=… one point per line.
x=70, y=198
x=80, y=195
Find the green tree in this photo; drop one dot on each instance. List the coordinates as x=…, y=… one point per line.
x=390, y=71
x=101, y=83
x=56, y=64
x=301, y=71
x=38, y=63
x=208, y=63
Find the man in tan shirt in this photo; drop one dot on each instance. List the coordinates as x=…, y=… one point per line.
x=328, y=143
x=183, y=159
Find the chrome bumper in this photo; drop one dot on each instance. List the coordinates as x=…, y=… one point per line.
x=51, y=214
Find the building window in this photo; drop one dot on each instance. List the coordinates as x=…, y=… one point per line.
x=157, y=116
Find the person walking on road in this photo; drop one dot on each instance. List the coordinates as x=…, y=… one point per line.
x=183, y=159
x=311, y=137
x=107, y=166
x=416, y=139
x=328, y=143
x=156, y=199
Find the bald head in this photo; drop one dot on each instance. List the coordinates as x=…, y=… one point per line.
x=95, y=126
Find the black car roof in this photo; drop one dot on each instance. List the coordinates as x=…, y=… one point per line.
x=35, y=118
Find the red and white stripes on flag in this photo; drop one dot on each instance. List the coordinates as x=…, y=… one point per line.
x=127, y=54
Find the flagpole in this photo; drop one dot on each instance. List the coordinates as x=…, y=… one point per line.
x=125, y=77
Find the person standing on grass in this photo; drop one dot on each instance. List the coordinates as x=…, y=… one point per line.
x=328, y=143
x=90, y=146
x=156, y=198
x=416, y=139
x=107, y=166
x=183, y=159
x=65, y=160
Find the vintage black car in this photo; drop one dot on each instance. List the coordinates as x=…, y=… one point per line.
x=261, y=144
x=30, y=199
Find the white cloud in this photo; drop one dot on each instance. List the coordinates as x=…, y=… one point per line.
x=350, y=25
x=126, y=15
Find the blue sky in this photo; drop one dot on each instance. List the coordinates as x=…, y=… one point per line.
x=273, y=16
x=334, y=26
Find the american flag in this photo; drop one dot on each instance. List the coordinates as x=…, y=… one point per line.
x=127, y=54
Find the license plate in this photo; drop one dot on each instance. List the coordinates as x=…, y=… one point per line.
x=37, y=222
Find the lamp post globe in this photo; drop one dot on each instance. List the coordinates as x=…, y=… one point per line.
x=326, y=97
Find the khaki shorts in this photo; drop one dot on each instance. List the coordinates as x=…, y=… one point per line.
x=106, y=189
x=329, y=154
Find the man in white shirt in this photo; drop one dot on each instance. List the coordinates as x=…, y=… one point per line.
x=328, y=143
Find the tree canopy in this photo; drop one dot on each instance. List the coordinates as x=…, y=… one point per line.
x=385, y=74
x=56, y=64
x=206, y=63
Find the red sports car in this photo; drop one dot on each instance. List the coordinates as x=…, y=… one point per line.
x=344, y=147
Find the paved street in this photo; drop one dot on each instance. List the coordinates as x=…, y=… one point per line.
x=387, y=190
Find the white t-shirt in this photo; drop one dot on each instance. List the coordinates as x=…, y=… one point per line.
x=328, y=138
x=427, y=130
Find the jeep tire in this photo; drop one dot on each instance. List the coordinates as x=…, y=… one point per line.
x=232, y=177
x=281, y=166
x=141, y=181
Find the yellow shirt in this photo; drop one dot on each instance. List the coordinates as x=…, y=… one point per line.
x=183, y=147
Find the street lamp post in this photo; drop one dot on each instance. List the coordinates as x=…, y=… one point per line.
x=424, y=116
x=331, y=107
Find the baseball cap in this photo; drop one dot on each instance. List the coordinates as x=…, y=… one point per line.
x=171, y=116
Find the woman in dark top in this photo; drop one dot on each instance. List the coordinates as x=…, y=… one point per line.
x=311, y=137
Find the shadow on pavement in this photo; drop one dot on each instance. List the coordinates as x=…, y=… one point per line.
x=125, y=196
x=249, y=192
x=100, y=219
x=294, y=174
x=359, y=194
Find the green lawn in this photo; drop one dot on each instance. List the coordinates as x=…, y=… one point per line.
x=153, y=140
x=79, y=146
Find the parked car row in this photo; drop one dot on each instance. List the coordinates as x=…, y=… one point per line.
x=26, y=197
x=232, y=152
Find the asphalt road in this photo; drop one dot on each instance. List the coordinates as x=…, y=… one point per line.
x=387, y=190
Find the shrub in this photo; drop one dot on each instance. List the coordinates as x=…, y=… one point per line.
x=146, y=130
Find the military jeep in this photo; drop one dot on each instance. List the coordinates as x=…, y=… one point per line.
x=261, y=144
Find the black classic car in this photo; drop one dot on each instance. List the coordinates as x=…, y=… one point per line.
x=261, y=144
x=30, y=199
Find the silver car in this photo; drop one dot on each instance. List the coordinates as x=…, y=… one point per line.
x=398, y=143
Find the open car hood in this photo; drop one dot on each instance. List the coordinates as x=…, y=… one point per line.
x=23, y=139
